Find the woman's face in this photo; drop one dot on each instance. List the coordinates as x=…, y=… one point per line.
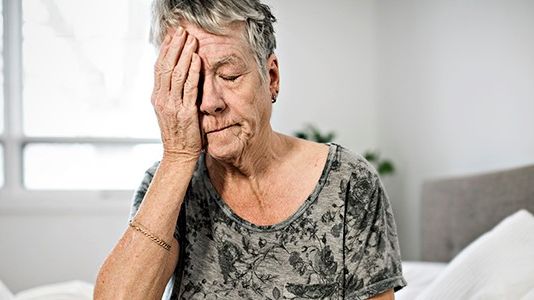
x=235, y=103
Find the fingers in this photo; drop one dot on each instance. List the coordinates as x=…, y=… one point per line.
x=181, y=71
x=164, y=47
x=171, y=57
x=191, y=84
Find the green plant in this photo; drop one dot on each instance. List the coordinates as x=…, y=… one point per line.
x=312, y=133
x=383, y=166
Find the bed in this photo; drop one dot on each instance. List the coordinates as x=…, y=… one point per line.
x=477, y=235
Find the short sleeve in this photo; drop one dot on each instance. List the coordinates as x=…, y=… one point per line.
x=140, y=192
x=372, y=254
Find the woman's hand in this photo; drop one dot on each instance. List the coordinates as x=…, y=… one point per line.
x=174, y=96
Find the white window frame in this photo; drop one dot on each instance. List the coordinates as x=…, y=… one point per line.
x=14, y=198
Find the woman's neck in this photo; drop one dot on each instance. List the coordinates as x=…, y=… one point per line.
x=252, y=176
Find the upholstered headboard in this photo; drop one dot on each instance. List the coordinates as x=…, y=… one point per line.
x=456, y=211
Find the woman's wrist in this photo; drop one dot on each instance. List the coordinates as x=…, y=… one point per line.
x=179, y=161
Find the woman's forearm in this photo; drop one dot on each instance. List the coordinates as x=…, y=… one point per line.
x=137, y=267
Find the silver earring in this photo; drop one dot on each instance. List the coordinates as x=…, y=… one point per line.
x=273, y=99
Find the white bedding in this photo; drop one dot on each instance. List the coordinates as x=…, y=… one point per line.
x=69, y=290
x=419, y=276
x=5, y=293
x=497, y=265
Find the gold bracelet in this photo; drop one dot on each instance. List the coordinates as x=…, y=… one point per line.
x=158, y=241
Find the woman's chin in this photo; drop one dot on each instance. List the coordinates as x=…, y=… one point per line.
x=225, y=145
x=223, y=149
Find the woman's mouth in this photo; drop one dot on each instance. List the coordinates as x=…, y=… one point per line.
x=220, y=129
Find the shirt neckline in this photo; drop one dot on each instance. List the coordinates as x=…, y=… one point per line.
x=263, y=228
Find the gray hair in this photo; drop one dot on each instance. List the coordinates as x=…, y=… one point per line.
x=213, y=16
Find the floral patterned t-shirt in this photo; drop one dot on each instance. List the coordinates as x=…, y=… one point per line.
x=340, y=244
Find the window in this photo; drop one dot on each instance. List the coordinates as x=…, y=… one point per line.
x=76, y=112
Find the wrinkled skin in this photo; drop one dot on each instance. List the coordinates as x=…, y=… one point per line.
x=177, y=72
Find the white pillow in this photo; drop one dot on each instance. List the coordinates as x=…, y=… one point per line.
x=5, y=294
x=529, y=295
x=497, y=265
x=419, y=276
x=71, y=290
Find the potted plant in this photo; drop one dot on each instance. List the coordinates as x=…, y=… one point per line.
x=383, y=166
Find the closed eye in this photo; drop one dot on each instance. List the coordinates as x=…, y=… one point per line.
x=229, y=78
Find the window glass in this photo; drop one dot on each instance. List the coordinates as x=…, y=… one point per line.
x=87, y=166
x=87, y=68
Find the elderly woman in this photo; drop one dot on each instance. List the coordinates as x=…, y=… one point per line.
x=235, y=210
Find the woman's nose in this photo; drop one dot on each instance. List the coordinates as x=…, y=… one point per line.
x=211, y=100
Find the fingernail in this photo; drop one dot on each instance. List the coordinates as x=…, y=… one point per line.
x=190, y=39
x=179, y=30
x=167, y=39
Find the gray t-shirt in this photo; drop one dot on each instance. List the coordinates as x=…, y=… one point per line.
x=340, y=244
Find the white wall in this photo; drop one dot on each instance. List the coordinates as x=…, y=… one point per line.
x=455, y=93
x=40, y=248
x=327, y=57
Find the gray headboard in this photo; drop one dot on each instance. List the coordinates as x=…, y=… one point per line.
x=456, y=211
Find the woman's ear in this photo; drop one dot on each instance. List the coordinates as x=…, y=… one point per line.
x=274, y=75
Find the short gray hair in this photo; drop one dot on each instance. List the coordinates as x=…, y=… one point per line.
x=213, y=16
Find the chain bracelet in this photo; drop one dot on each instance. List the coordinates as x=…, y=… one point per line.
x=156, y=239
